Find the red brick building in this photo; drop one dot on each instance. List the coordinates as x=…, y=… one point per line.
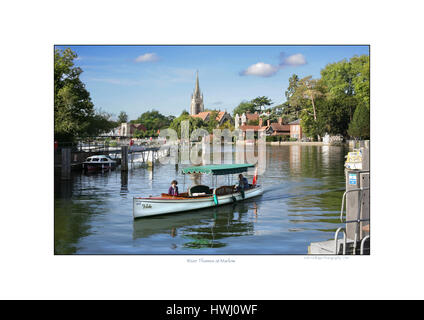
x=296, y=130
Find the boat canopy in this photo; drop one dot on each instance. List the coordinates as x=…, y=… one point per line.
x=218, y=169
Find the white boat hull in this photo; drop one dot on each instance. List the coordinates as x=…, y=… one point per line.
x=145, y=207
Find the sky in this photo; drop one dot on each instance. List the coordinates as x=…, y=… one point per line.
x=136, y=79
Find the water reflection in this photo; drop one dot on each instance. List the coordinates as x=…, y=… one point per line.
x=200, y=228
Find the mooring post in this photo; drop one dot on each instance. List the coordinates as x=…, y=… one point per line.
x=124, y=158
x=66, y=164
x=124, y=181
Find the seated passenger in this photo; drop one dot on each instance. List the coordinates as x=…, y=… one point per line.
x=173, y=189
x=243, y=183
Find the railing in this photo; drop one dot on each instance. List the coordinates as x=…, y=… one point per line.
x=357, y=221
x=363, y=243
x=336, y=241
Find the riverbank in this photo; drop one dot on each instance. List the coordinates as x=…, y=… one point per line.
x=350, y=143
x=296, y=143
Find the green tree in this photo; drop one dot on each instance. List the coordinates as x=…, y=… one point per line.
x=296, y=98
x=329, y=104
x=361, y=81
x=311, y=127
x=253, y=122
x=333, y=117
x=360, y=126
x=244, y=107
x=100, y=123
x=348, y=82
x=212, y=123
x=194, y=123
x=293, y=85
x=122, y=117
x=290, y=109
x=154, y=120
x=310, y=89
x=72, y=103
x=260, y=102
x=227, y=125
x=74, y=113
x=138, y=134
x=307, y=95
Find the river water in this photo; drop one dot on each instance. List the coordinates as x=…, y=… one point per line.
x=301, y=204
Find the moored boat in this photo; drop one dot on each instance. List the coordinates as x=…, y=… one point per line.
x=99, y=162
x=198, y=196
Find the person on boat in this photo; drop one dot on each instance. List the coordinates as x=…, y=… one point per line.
x=243, y=183
x=173, y=189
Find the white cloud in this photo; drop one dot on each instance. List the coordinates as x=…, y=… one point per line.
x=147, y=57
x=294, y=60
x=260, y=69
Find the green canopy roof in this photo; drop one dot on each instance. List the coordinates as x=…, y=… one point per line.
x=219, y=169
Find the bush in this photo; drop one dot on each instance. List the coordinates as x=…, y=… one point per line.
x=272, y=138
x=277, y=138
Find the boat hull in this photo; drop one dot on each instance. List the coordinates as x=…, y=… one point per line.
x=90, y=167
x=146, y=207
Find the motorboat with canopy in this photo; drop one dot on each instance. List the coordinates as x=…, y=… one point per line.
x=199, y=196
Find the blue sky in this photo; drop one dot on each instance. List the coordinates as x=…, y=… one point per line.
x=140, y=78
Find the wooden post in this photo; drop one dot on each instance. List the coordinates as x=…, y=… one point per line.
x=66, y=164
x=124, y=181
x=124, y=158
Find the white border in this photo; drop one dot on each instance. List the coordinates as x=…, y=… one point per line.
x=28, y=268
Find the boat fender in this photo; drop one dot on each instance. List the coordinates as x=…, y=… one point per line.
x=242, y=193
x=215, y=199
x=234, y=198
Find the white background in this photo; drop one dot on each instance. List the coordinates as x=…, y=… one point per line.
x=29, y=29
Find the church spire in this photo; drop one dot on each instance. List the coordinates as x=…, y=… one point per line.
x=197, y=98
x=197, y=88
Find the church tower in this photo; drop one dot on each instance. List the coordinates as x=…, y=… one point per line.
x=196, y=99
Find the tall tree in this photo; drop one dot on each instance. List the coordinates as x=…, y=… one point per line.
x=122, y=117
x=72, y=103
x=74, y=113
x=260, y=102
x=293, y=85
x=311, y=89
